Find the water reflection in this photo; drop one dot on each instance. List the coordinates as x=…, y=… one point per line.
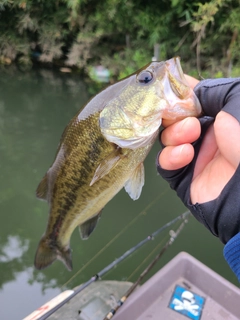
x=29, y=134
x=34, y=109
x=13, y=249
x=17, y=296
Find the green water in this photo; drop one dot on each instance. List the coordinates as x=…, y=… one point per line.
x=34, y=109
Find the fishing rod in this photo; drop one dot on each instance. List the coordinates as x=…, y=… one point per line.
x=122, y=231
x=173, y=236
x=96, y=277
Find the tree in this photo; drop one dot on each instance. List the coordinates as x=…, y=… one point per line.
x=121, y=34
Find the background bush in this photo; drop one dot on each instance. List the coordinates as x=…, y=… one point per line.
x=121, y=34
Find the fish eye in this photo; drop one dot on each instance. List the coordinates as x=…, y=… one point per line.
x=145, y=77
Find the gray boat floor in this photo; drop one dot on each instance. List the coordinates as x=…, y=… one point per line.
x=204, y=295
x=94, y=302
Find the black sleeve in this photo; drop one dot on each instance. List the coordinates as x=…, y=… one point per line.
x=222, y=215
x=219, y=94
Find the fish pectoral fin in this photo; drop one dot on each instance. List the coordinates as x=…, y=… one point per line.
x=106, y=165
x=87, y=227
x=135, y=183
x=42, y=188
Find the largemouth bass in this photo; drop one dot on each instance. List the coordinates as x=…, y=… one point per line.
x=102, y=150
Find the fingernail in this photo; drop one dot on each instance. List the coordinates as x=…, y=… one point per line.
x=180, y=127
x=183, y=123
x=176, y=151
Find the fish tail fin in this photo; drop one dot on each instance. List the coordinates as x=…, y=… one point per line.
x=47, y=254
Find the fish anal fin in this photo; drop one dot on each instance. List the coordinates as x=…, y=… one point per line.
x=47, y=254
x=87, y=227
x=135, y=183
x=42, y=188
x=106, y=165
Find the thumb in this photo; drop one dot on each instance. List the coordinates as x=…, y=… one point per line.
x=227, y=133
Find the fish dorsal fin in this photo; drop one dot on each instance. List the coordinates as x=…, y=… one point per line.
x=135, y=183
x=42, y=188
x=106, y=165
x=87, y=227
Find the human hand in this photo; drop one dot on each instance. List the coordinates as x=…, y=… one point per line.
x=201, y=157
x=218, y=157
x=201, y=162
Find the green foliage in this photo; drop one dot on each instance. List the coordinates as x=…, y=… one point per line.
x=121, y=34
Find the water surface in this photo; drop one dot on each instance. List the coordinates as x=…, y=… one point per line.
x=35, y=106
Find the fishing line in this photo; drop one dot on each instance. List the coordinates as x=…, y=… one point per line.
x=113, y=264
x=173, y=236
x=115, y=238
x=150, y=254
x=142, y=263
x=155, y=249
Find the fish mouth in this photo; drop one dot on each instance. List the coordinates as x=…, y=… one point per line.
x=180, y=96
x=175, y=68
x=172, y=66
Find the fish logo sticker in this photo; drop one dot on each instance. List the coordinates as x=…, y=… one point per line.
x=187, y=303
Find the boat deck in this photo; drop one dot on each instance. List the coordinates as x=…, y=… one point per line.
x=183, y=289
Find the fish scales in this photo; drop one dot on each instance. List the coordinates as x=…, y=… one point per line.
x=76, y=174
x=71, y=193
x=103, y=149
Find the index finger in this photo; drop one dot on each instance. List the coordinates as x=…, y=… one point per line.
x=191, y=81
x=185, y=131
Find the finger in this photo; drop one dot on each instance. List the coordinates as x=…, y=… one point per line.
x=185, y=131
x=227, y=132
x=167, y=123
x=208, y=151
x=212, y=169
x=173, y=158
x=191, y=81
